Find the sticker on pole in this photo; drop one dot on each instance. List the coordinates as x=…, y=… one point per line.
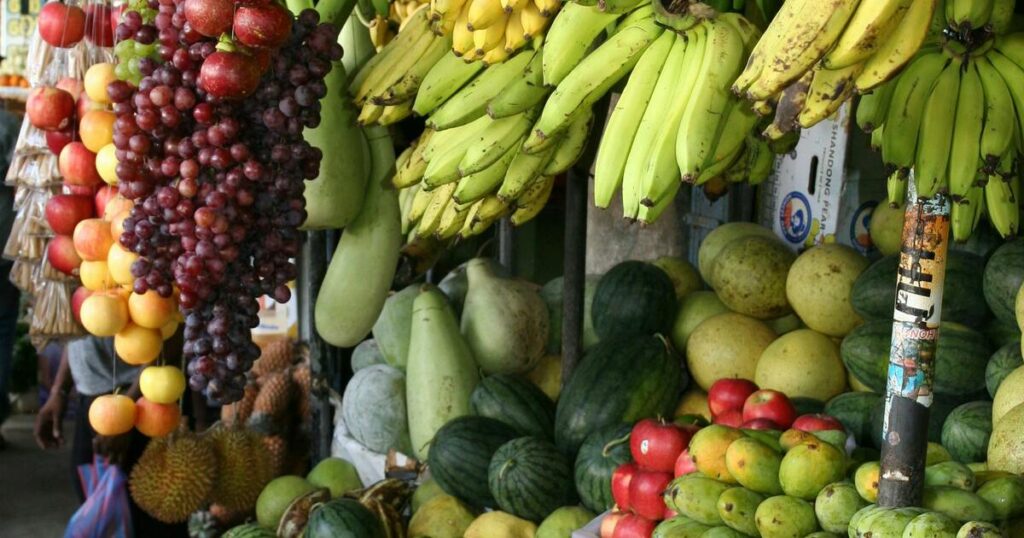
x=923, y=263
x=912, y=361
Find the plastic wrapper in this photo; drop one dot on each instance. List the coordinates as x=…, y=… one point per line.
x=40, y=56
x=52, y=317
x=21, y=276
x=31, y=140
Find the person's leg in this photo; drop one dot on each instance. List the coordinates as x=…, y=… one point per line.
x=9, y=296
x=81, y=444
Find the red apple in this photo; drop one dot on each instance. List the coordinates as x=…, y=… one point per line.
x=80, y=190
x=760, y=424
x=817, y=422
x=71, y=85
x=56, y=140
x=97, y=25
x=50, y=109
x=655, y=444
x=684, y=464
x=621, y=478
x=78, y=165
x=634, y=526
x=772, y=405
x=60, y=252
x=61, y=25
x=85, y=105
x=105, y=194
x=77, y=298
x=609, y=522
x=645, y=493
x=732, y=417
x=728, y=394
x=65, y=211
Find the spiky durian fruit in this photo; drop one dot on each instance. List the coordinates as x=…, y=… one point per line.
x=174, y=476
x=243, y=467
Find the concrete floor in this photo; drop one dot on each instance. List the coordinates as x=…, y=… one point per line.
x=36, y=496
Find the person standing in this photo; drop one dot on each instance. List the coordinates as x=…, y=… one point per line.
x=9, y=294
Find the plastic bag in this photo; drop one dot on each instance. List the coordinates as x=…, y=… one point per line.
x=105, y=512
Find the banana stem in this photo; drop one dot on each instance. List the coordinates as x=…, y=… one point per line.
x=335, y=12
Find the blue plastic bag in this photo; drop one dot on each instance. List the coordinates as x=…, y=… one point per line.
x=105, y=512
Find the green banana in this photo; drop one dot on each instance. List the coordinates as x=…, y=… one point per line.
x=1001, y=201
x=490, y=144
x=896, y=187
x=965, y=212
x=1013, y=74
x=618, y=6
x=567, y=41
x=471, y=101
x=411, y=171
x=522, y=171
x=647, y=215
x=731, y=138
x=870, y=26
x=475, y=186
x=393, y=114
x=522, y=94
x=761, y=159
x=444, y=79
x=829, y=89
x=1000, y=125
x=594, y=76
x=965, y=152
x=443, y=167
x=440, y=198
x=748, y=31
x=903, y=120
x=899, y=48
x=571, y=147
x=967, y=15
x=444, y=141
x=936, y=134
x=624, y=120
x=533, y=200
x=409, y=83
x=872, y=107
x=1002, y=16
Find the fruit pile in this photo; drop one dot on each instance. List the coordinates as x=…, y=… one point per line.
x=210, y=150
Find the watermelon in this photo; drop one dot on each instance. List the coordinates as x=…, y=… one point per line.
x=461, y=453
x=960, y=360
x=633, y=299
x=516, y=402
x=1005, y=360
x=343, y=518
x=552, y=293
x=1000, y=333
x=530, y=478
x=374, y=409
x=854, y=410
x=966, y=431
x=250, y=530
x=874, y=293
x=618, y=380
x=601, y=453
x=1004, y=275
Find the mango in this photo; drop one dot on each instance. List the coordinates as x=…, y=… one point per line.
x=791, y=438
x=861, y=514
x=1005, y=494
x=768, y=437
x=835, y=438
x=754, y=465
x=500, y=525
x=836, y=505
x=866, y=480
x=983, y=477
x=679, y=527
x=736, y=507
x=979, y=529
x=696, y=497
x=564, y=521
x=424, y=492
x=783, y=516
x=949, y=473
x=809, y=467
x=936, y=454
x=958, y=504
x=889, y=522
x=441, y=517
x=978, y=466
x=931, y=525
x=708, y=448
x=822, y=534
x=722, y=532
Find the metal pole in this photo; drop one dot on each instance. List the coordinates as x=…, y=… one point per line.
x=915, y=332
x=575, y=251
x=312, y=267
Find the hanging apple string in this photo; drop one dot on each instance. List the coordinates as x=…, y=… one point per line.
x=210, y=148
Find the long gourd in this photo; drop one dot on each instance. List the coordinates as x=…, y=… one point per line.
x=360, y=274
x=441, y=373
x=337, y=195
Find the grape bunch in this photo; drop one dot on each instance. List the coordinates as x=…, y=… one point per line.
x=136, y=39
x=210, y=148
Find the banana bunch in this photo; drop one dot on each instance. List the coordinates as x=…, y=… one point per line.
x=387, y=84
x=469, y=167
x=966, y=16
x=491, y=30
x=956, y=120
x=676, y=119
x=399, y=12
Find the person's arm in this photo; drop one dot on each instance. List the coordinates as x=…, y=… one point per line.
x=48, y=429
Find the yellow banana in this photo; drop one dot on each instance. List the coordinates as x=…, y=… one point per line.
x=452, y=220
x=491, y=37
x=393, y=114
x=532, y=21
x=899, y=48
x=830, y=88
x=515, y=36
x=522, y=171
x=870, y=26
x=419, y=203
x=475, y=186
x=440, y=199
x=484, y=14
x=532, y=201
x=548, y=8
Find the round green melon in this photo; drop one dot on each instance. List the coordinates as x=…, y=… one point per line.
x=343, y=518
x=277, y=495
x=1005, y=360
x=693, y=310
x=249, y=530
x=721, y=236
x=750, y=275
x=530, y=478
x=460, y=456
x=552, y=293
x=374, y=409
x=633, y=299
x=966, y=431
x=1004, y=274
x=601, y=453
x=516, y=402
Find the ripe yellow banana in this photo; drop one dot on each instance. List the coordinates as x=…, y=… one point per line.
x=532, y=201
x=490, y=37
x=484, y=14
x=829, y=89
x=515, y=35
x=532, y=21
x=899, y=48
x=871, y=25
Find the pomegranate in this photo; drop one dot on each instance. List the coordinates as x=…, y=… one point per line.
x=229, y=74
x=210, y=18
x=265, y=26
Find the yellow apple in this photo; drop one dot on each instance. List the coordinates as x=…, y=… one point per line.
x=162, y=384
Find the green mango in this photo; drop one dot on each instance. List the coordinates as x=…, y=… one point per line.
x=889, y=523
x=722, y=532
x=936, y=454
x=679, y=527
x=564, y=521
x=755, y=465
x=768, y=437
x=861, y=514
x=835, y=438
x=783, y=516
x=809, y=467
x=958, y=504
x=979, y=529
x=931, y=525
x=736, y=507
x=822, y=534
x=696, y=497
x=949, y=473
x=836, y=505
x=1005, y=494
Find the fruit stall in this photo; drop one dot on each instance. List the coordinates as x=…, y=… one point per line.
x=538, y=268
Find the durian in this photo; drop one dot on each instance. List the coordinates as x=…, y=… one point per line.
x=174, y=476
x=244, y=466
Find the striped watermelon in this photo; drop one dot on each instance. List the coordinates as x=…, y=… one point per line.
x=602, y=452
x=530, y=478
x=516, y=402
x=633, y=299
x=966, y=431
x=461, y=453
x=1004, y=274
x=343, y=518
x=1007, y=359
x=250, y=530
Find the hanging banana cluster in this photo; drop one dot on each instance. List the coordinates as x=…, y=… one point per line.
x=816, y=54
x=491, y=30
x=469, y=168
x=676, y=119
x=956, y=119
x=387, y=84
